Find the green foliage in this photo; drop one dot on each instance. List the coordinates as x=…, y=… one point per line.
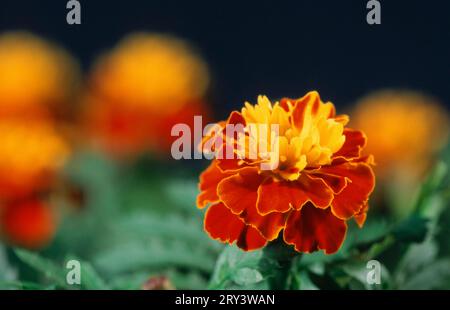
x=245, y=270
x=409, y=248
x=135, y=222
x=139, y=221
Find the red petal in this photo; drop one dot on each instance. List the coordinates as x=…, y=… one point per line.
x=284, y=103
x=208, y=185
x=360, y=218
x=280, y=196
x=335, y=182
x=236, y=118
x=355, y=195
x=239, y=192
x=312, y=229
x=298, y=113
x=222, y=224
x=233, y=164
x=268, y=225
x=355, y=140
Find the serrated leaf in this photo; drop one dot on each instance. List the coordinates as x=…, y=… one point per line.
x=248, y=268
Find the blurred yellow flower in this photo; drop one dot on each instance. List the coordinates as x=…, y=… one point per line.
x=36, y=76
x=30, y=155
x=139, y=90
x=405, y=129
x=152, y=70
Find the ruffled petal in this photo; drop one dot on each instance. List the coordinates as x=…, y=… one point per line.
x=208, y=185
x=355, y=195
x=222, y=224
x=268, y=225
x=335, y=182
x=281, y=196
x=312, y=229
x=236, y=118
x=303, y=107
x=355, y=140
x=360, y=218
x=229, y=164
x=239, y=191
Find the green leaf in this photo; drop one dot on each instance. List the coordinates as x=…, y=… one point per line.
x=435, y=276
x=90, y=279
x=431, y=186
x=418, y=256
x=7, y=272
x=46, y=267
x=373, y=230
x=236, y=268
x=359, y=271
x=135, y=255
x=172, y=226
x=129, y=280
x=22, y=285
x=247, y=276
x=302, y=281
x=413, y=229
x=192, y=280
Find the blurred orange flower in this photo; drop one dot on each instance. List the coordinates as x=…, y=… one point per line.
x=37, y=78
x=30, y=156
x=138, y=91
x=405, y=131
x=321, y=180
x=30, y=223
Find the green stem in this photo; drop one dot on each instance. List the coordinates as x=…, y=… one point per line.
x=284, y=256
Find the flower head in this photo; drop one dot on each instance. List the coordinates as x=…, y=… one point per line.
x=29, y=223
x=30, y=156
x=36, y=77
x=405, y=130
x=139, y=90
x=319, y=181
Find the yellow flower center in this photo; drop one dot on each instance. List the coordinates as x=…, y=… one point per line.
x=305, y=140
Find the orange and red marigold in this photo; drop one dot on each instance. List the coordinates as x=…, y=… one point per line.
x=322, y=180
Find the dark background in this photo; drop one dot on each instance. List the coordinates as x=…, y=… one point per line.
x=278, y=48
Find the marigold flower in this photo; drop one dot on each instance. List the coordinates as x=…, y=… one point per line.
x=321, y=180
x=139, y=90
x=30, y=223
x=37, y=77
x=30, y=156
x=405, y=130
